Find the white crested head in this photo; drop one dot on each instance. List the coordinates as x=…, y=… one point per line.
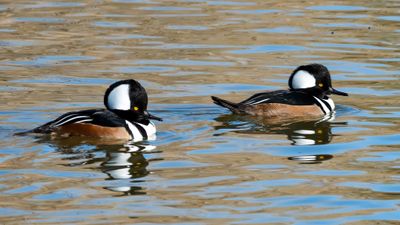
x=118, y=98
x=128, y=100
x=302, y=79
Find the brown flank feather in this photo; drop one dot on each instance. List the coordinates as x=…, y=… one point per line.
x=283, y=110
x=91, y=130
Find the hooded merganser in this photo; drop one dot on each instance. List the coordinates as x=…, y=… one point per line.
x=126, y=116
x=309, y=87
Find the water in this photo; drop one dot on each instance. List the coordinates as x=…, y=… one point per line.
x=206, y=166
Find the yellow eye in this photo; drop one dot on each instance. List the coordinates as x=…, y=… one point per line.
x=321, y=84
x=135, y=108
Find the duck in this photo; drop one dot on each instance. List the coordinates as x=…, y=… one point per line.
x=125, y=116
x=307, y=97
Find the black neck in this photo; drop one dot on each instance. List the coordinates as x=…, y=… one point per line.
x=132, y=116
x=312, y=91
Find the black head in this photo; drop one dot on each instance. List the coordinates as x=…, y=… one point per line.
x=128, y=99
x=314, y=78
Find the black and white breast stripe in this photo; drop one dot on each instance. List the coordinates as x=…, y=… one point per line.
x=140, y=131
x=326, y=105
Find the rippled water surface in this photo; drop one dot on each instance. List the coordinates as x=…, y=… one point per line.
x=206, y=166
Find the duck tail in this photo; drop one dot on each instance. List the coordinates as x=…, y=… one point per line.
x=43, y=129
x=226, y=104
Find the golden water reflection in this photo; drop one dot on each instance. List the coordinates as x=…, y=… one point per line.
x=208, y=168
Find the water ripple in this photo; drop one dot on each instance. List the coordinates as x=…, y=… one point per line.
x=206, y=166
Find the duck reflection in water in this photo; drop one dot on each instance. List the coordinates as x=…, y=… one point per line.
x=304, y=132
x=128, y=164
x=124, y=163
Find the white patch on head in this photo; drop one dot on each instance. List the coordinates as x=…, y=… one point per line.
x=119, y=98
x=303, y=79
